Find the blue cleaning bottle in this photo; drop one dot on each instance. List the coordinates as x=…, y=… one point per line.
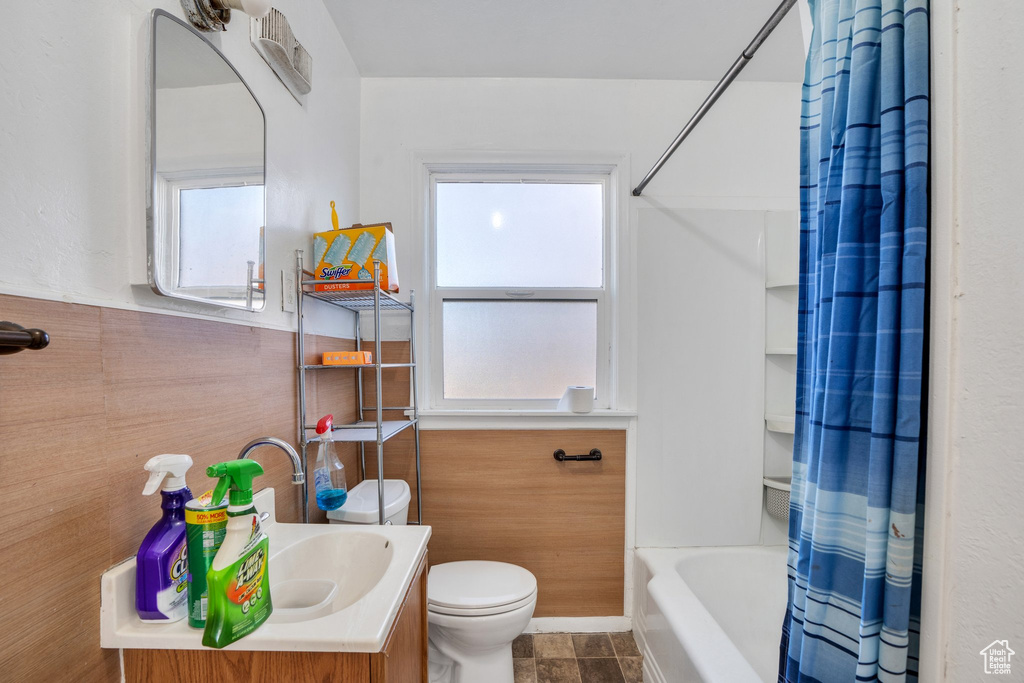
x=329, y=475
x=161, y=566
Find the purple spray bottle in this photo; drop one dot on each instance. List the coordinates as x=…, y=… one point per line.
x=161, y=566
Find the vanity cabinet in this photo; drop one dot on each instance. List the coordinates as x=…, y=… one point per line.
x=402, y=660
x=404, y=657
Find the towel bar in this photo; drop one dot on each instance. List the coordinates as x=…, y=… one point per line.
x=14, y=338
x=594, y=454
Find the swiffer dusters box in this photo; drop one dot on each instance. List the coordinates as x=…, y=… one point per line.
x=348, y=255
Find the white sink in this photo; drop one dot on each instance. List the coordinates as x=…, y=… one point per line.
x=335, y=588
x=326, y=573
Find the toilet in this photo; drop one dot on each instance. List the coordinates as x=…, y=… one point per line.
x=362, y=503
x=475, y=609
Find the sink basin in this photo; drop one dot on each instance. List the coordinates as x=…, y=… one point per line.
x=302, y=599
x=321, y=575
x=336, y=588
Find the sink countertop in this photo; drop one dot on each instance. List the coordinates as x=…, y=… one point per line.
x=360, y=627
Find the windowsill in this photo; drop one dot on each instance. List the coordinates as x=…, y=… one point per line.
x=524, y=419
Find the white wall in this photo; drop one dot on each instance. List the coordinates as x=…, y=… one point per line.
x=73, y=93
x=701, y=368
x=743, y=157
x=974, y=538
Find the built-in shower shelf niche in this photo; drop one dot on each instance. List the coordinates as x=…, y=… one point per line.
x=781, y=248
x=781, y=424
x=779, y=394
x=781, y=284
x=778, y=453
x=782, y=253
x=780, y=305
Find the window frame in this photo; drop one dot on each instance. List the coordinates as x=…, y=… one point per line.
x=604, y=174
x=169, y=185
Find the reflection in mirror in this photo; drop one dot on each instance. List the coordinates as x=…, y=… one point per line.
x=207, y=214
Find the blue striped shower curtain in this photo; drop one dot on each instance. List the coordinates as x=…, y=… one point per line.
x=858, y=460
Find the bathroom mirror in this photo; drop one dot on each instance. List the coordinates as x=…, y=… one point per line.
x=206, y=204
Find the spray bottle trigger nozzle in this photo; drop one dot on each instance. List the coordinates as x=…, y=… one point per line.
x=235, y=476
x=153, y=483
x=167, y=470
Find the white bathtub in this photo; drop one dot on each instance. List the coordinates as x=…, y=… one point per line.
x=712, y=615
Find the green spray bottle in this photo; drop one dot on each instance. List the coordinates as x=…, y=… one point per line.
x=238, y=581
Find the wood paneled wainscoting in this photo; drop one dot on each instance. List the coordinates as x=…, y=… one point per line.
x=500, y=495
x=79, y=419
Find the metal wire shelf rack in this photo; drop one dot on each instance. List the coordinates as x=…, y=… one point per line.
x=376, y=430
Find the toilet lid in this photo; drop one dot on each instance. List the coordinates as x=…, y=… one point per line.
x=476, y=584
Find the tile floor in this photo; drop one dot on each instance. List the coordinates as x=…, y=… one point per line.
x=577, y=658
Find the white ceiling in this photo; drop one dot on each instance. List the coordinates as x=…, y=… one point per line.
x=669, y=39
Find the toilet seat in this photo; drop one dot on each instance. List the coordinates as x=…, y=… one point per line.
x=478, y=588
x=481, y=611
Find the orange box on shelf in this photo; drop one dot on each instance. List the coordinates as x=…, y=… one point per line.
x=348, y=255
x=347, y=358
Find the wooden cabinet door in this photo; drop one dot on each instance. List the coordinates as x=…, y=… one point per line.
x=209, y=666
x=404, y=657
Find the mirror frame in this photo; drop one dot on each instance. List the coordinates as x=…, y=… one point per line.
x=152, y=262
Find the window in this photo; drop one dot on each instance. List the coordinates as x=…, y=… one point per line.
x=213, y=221
x=520, y=273
x=201, y=216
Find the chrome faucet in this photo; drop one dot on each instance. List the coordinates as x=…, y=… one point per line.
x=298, y=476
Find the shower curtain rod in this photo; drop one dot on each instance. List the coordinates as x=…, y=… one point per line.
x=723, y=84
